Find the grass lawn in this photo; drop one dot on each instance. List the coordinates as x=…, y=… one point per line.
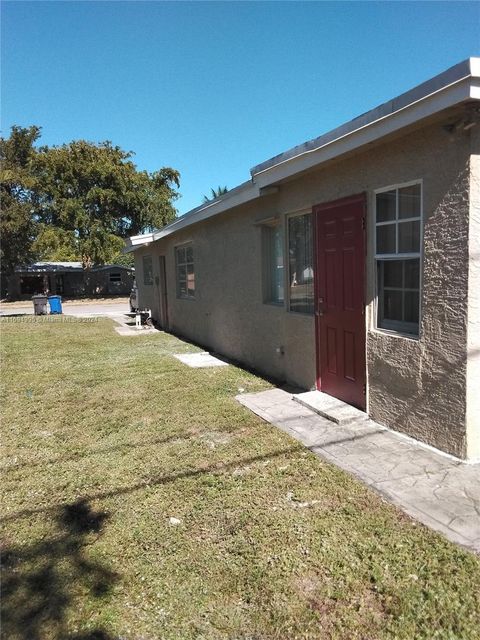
x=140, y=500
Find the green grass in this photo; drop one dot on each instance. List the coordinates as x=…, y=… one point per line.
x=107, y=438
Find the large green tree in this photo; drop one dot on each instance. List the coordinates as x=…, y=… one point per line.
x=18, y=188
x=97, y=197
x=78, y=201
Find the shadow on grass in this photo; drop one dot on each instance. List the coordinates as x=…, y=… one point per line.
x=41, y=581
x=154, y=481
x=94, y=452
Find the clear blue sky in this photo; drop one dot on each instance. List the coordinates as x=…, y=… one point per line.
x=213, y=88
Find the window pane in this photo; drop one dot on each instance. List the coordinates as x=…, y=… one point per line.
x=409, y=202
x=300, y=250
x=386, y=206
x=185, y=272
x=386, y=238
x=147, y=270
x=392, y=273
x=412, y=274
x=409, y=237
x=392, y=304
x=182, y=272
x=182, y=288
x=180, y=255
x=411, y=306
x=190, y=279
x=274, y=264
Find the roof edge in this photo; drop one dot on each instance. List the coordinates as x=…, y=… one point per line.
x=447, y=89
x=461, y=71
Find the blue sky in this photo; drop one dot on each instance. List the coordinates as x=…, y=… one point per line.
x=213, y=88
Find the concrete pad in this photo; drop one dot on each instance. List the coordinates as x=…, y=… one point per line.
x=434, y=488
x=200, y=360
x=329, y=407
x=132, y=331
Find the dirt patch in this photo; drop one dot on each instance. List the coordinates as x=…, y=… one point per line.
x=215, y=438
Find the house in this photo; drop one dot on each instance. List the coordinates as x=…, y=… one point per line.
x=349, y=264
x=69, y=279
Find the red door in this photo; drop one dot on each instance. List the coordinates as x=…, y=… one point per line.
x=340, y=299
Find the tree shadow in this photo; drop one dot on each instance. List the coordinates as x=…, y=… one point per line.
x=41, y=581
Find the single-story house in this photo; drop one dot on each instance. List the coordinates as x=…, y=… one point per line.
x=349, y=264
x=69, y=279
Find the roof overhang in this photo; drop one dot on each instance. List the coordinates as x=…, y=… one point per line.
x=457, y=85
x=135, y=242
x=237, y=196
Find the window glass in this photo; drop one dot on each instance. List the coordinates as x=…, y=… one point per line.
x=386, y=206
x=273, y=256
x=185, y=271
x=412, y=274
x=115, y=277
x=411, y=306
x=147, y=270
x=409, y=202
x=392, y=304
x=300, y=266
x=386, y=238
x=392, y=273
x=408, y=237
x=399, y=294
x=398, y=233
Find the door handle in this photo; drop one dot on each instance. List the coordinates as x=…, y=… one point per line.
x=320, y=310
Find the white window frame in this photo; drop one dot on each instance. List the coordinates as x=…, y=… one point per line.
x=184, y=296
x=296, y=214
x=399, y=328
x=266, y=227
x=148, y=282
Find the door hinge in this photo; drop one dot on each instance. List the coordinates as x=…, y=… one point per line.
x=364, y=389
x=363, y=222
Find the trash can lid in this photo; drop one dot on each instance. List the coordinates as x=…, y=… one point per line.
x=38, y=296
x=54, y=297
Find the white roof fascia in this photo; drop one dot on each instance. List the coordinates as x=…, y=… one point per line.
x=452, y=87
x=135, y=242
x=475, y=85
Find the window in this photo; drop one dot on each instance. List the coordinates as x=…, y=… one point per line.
x=273, y=263
x=147, y=270
x=300, y=263
x=398, y=240
x=115, y=277
x=185, y=271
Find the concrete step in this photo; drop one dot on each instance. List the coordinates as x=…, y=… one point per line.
x=329, y=407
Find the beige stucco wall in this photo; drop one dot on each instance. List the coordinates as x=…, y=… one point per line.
x=473, y=328
x=417, y=386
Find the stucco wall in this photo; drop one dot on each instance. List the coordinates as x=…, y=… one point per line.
x=473, y=344
x=417, y=386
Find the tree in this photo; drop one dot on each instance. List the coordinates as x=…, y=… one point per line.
x=96, y=196
x=18, y=226
x=215, y=193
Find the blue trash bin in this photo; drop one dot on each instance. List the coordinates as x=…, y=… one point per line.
x=55, y=303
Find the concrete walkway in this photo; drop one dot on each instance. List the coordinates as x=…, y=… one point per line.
x=438, y=490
